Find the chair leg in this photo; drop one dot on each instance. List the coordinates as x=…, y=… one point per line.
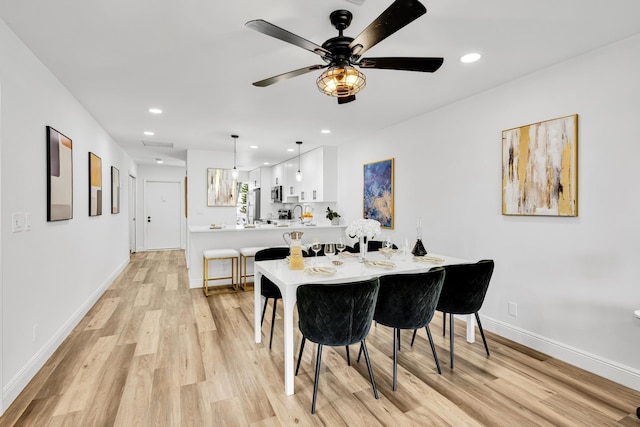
x=399, y=343
x=451, y=339
x=300, y=355
x=366, y=358
x=315, y=381
x=433, y=349
x=484, y=340
x=348, y=358
x=444, y=324
x=264, y=310
x=359, y=353
x=395, y=357
x=273, y=321
x=415, y=331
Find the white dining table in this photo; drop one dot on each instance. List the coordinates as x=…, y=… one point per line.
x=351, y=270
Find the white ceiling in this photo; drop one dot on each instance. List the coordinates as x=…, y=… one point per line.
x=196, y=60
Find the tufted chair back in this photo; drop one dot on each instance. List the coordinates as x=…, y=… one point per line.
x=465, y=287
x=337, y=314
x=408, y=301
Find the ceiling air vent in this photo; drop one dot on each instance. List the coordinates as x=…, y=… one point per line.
x=157, y=144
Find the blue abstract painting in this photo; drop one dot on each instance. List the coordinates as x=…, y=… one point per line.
x=378, y=192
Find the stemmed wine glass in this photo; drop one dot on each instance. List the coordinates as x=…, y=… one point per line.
x=340, y=246
x=316, y=246
x=330, y=250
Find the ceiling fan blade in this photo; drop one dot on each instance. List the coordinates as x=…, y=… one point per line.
x=269, y=29
x=290, y=74
x=345, y=99
x=398, y=15
x=427, y=65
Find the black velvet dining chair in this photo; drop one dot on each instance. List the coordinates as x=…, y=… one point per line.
x=463, y=292
x=336, y=315
x=408, y=301
x=268, y=289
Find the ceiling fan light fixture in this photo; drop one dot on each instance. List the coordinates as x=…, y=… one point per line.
x=341, y=81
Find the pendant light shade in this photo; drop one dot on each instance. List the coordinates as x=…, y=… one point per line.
x=234, y=172
x=299, y=174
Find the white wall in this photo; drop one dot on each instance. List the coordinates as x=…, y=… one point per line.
x=575, y=280
x=162, y=173
x=198, y=161
x=52, y=274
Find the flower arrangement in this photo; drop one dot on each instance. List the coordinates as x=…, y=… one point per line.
x=332, y=214
x=361, y=227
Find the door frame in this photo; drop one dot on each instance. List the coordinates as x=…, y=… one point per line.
x=180, y=205
x=133, y=245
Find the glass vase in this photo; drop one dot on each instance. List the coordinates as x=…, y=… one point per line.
x=363, y=249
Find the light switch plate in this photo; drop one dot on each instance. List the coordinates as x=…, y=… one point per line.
x=17, y=221
x=27, y=221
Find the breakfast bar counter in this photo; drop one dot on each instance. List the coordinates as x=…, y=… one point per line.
x=200, y=238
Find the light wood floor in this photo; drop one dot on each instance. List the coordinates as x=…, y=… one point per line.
x=153, y=352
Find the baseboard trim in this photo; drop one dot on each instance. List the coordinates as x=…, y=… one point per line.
x=18, y=383
x=608, y=369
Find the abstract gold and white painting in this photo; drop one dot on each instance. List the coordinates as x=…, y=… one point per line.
x=221, y=188
x=540, y=168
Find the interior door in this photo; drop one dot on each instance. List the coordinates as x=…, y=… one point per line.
x=162, y=218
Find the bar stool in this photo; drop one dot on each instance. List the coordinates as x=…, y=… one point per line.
x=220, y=255
x=244, y=254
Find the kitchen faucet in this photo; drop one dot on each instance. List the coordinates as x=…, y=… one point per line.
x=293, y=211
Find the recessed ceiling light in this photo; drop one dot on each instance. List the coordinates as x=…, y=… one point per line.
x=290, y=149
x=266, y=163
x=155, y=110
x=253, y=146
x=470, y=57
x=149, y=133
x=325, y=131
x=159, y=161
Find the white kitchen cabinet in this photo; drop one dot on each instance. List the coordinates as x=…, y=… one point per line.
x=260, y=177
x=319, y=175
x=277, y=174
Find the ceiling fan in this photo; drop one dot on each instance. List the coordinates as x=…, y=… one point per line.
x=341, y=53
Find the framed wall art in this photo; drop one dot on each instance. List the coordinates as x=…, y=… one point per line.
x=378, y=192
x=222, y=188
x=59, y=176
x=115, y=190
x=95, y=185
x=540, y=168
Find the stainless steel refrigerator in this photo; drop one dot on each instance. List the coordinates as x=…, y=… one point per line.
x=254, y=206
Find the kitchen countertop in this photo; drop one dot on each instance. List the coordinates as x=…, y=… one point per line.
x=262, y=227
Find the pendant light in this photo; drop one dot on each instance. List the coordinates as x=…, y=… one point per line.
x=299, y=174
x=234, y=172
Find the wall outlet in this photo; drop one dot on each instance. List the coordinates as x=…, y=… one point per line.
x=513, y=309
x=36, y=328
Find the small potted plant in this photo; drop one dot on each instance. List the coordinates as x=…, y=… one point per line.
x=333, y=216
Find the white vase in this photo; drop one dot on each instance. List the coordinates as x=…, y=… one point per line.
x=363, y=249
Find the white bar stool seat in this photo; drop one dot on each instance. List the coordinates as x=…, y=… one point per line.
x=245, y=253
x=221, y=255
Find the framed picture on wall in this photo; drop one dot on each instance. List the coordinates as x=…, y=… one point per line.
x=115, y=190
x=95, y=185
x=378, y=192
x=59, y=176
x=221, y=188
x=540, y=168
